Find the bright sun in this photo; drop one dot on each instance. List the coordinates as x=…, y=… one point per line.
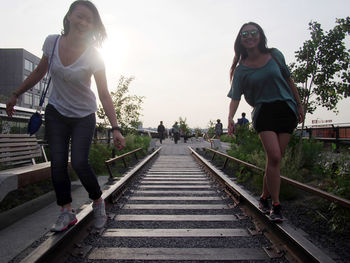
x=114, y=52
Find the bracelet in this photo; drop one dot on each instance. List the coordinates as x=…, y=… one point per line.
x=116, y=128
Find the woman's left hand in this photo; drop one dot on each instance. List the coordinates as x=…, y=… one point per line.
x=119, y=140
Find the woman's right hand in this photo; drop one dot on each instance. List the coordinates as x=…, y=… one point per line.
x=231, y=127
x=119, y=140
x=10, y=105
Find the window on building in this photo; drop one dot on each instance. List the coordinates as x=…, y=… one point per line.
x=28, y=65
x=28, y=98
x=37, y=87
x=36, y=100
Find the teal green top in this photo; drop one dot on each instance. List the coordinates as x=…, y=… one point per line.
x=263, y=85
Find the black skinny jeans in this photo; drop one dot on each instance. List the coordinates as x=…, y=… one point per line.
x=59, y=131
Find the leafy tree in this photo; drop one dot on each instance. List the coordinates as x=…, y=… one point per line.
x=198, y=132
x=211, y=128
x=322, y=69
x=183, y=126
x=127, y=106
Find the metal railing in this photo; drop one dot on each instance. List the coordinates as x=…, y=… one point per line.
x=334, y=133
x=120, y=157
x=333, y=198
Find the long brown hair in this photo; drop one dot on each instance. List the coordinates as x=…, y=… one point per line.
x=241, y=52
x=99, y=33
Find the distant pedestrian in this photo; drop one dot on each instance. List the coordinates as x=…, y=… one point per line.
x=264, y=78
x=218, y=128
x=70, y=118
x=243, y=120
x=161, y=132
x=176, y=132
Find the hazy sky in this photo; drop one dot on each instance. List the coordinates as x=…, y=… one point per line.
x=179, y=51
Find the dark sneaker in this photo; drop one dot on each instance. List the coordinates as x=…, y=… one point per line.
x=264, y=205
x=276, y=214
x=64, y=221
x=99, y=214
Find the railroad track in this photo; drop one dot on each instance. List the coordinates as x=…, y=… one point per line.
x=177, y=208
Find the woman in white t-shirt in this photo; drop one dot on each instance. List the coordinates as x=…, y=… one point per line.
x=70, y=113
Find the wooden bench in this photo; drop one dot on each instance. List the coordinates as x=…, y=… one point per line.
x=18, y=154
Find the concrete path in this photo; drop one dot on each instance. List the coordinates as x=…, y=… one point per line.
x=20, y=235
x=181, y=148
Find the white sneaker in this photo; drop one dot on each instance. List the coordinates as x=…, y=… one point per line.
x=99, y=214
x=64, y=221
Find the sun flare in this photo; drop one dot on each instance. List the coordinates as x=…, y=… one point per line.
x=114, y=52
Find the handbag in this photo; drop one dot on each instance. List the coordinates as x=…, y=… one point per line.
x=35, y=120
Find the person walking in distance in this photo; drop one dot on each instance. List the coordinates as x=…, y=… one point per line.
x=243, y=120
x=176, y=132
x=70, y=113
x=161, y=132
x=262, y=75
x=218, y=129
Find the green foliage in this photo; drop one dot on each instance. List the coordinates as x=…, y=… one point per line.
x=335, y=173
x=136, y=141
x=127, y=107
x=211, y=129
x=183, y=126
x=310, y=151
x=322, y=68
x=99, y=153
x=226, y=138
x=198, y=132
x=246, y=143
x=330, y=171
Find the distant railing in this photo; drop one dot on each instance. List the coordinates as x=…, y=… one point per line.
x=334, y=133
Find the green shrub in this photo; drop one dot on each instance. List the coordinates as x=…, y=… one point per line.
x=226, y=138
x=99, y=153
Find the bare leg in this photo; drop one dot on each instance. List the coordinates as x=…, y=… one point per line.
x=274, y=145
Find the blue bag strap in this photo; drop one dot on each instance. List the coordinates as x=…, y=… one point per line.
x=43, y=95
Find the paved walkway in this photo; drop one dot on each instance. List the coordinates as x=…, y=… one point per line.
x=20, y=235
x=181, y=148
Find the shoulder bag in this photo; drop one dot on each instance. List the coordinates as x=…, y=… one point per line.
x=36, y=119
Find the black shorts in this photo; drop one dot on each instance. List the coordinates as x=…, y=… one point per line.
x=276, y=116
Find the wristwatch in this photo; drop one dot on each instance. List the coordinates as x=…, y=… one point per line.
x=116, y=128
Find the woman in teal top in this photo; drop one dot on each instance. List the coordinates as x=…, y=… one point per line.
x=264, y=79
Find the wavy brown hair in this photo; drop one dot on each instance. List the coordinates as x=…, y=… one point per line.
x=241, y=52
x=99, y=32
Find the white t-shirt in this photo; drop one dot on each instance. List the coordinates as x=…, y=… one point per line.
x=71, y=91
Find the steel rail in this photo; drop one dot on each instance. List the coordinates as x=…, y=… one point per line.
x=313, y=190
x=45, y=249
x=308, y=251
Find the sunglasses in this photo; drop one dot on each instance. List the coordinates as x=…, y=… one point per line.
x=253, y=33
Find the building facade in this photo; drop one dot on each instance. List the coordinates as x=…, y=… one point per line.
x=15, y=66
